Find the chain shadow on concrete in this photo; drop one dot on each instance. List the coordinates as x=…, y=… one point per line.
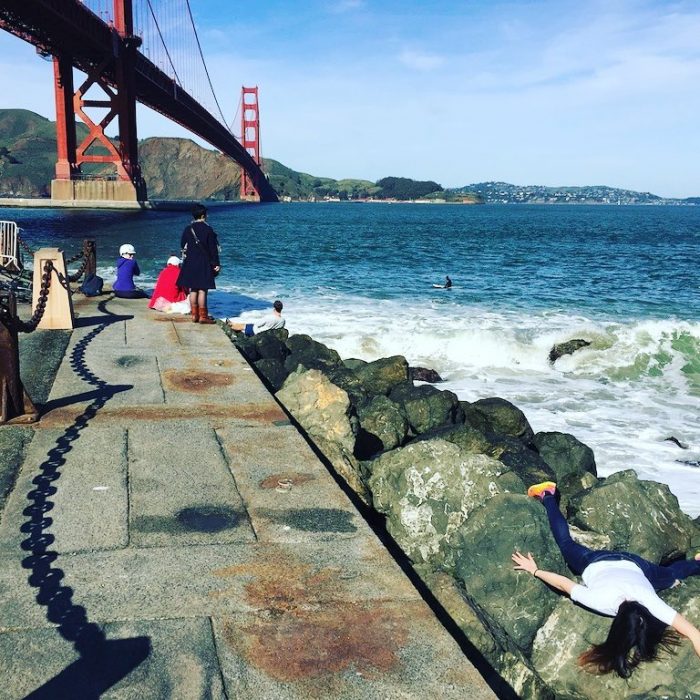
x=102, y=662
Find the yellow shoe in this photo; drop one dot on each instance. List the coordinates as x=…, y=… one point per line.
x=539, y=490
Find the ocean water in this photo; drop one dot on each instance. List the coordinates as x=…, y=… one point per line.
x=358, y=277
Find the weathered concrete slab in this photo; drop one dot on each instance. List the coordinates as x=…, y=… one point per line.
x=144, y=659
x=344, y=651
x=182, y=512
x=208, y=580
x=181, y=490
x=86, y=496
x=13, y=444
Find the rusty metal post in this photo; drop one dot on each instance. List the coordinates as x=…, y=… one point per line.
x=15, y=404
x=90, y=253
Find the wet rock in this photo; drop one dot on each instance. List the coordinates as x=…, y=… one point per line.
x=272, y=371
x=639, y=516
x=526, y=463
x=349, y=382
x=310, y=354
x=567, y=348
x=324, y=411
x=572, y=461
x=676, y=441
x=426, y=407
x=427, y=490
x=502, y=417
x=424, y=374
x=354, y=363
x=513, y=603
x=381, y=376
x=271, y=345
x=383, y=426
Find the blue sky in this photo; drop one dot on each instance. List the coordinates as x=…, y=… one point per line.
x=546, y=92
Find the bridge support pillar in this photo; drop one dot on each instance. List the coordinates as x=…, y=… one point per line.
x=250, y=139
x=118, y=100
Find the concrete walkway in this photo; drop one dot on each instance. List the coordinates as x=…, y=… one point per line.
x=171, y=535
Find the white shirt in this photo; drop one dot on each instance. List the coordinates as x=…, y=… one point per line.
x=608, y=584
x=268, y=323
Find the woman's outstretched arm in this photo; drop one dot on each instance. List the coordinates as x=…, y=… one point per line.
x=527, y=563
x=687, y=629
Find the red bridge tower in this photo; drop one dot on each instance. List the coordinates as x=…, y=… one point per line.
x=250, y=139
x=119, y=100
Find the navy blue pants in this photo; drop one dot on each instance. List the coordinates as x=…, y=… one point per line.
x=578, y=557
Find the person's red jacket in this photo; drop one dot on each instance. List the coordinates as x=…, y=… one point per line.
x=166, y=286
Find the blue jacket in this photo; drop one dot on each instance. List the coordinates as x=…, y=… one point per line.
x=126, y=269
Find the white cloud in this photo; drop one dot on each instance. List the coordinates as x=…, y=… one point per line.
x=420, y=60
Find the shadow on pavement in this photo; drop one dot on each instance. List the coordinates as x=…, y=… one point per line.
x=102, y=662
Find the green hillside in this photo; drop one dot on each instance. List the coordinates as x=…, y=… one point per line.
x=176, y=168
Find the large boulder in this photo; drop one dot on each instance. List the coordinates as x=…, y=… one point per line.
x=501, y=417
x=324, y=411
x=639, y=516
x=272, y=371
x=567, y=348
x=570, y=630
x=348, y=381
x=383, y=426
x=514, y=603
x=271, y=345
x=426, y=407
x=424, y=374
x=572, y=461
x=381, y=376
x=310, y=354
x=526, y=463
x=427, y=490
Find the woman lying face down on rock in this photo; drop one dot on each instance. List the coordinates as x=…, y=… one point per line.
x=619, y=584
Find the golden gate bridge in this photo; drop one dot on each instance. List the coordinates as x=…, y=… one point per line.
x=130, y=51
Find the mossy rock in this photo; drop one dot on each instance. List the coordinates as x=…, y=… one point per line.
x=426, y=407
x=310, y=354
x=273, y=372
x=381, y=376
x=383, y=426
x=503, y=418
x=639, y=516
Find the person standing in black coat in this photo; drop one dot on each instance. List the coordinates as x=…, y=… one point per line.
x=201, y=263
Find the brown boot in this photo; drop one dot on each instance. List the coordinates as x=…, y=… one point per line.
x=204, y=315
x=195, y=313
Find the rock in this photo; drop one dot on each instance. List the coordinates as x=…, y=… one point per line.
x=383, y=426
x=271, y=345
x=570, y=630
x=567, y=348
x=572, y=461
x=676, y=441
x=424, y=374
x=502, y=417
x=427, y=407
x=639, y=516
x=347, y=380
x=427, y=490
x=353, y=363
x=381, y=376
x=513, y=603
x=305, y=351
x=272, y=371
x=323, y=410
x=247, y=346
x=520, y=459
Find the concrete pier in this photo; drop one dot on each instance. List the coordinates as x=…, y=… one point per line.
x=170, y=534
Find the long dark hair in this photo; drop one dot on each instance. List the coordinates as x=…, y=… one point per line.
x=635, y=635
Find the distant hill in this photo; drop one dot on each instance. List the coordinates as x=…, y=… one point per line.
x=505, y=193
x=176, y=168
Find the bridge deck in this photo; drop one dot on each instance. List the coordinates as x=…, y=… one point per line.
x=197, y=531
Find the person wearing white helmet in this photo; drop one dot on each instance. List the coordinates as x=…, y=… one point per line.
x=127, y=268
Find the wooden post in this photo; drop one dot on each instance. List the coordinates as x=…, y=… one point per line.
x=59, y=305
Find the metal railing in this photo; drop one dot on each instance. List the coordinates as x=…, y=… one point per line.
x=10, y=251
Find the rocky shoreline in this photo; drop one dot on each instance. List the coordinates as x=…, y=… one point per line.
x=450, y=478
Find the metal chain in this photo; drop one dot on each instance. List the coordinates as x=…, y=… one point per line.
x=77, y=256
x=78, y=274
x=26, y=248
x=33, y=322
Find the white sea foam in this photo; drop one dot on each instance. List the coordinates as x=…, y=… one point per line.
x=623, y=395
